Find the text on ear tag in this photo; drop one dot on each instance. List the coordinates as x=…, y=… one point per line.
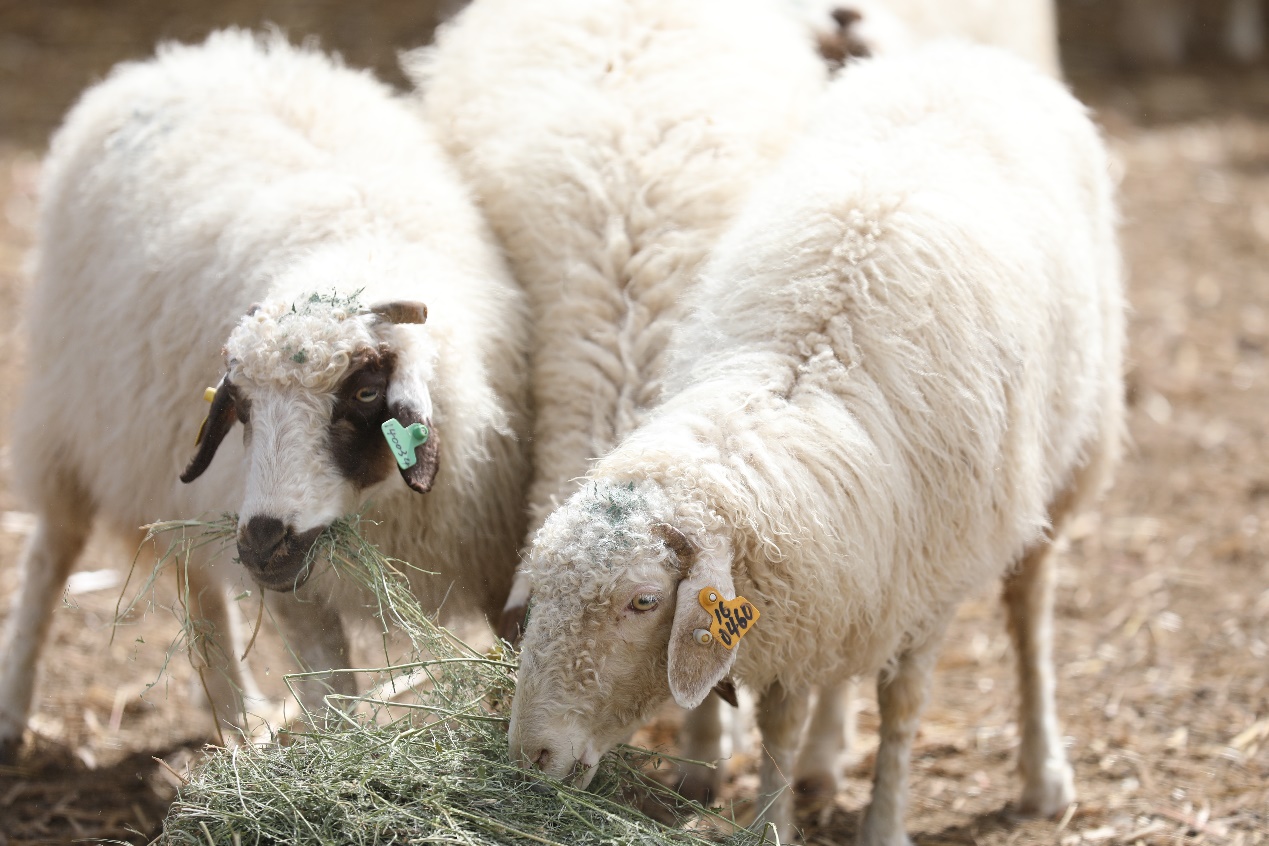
x=404, y=440
x=729, y=619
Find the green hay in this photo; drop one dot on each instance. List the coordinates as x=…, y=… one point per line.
x=436, y=773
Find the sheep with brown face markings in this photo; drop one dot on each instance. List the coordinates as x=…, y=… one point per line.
x=901, y=374
x=248, y=190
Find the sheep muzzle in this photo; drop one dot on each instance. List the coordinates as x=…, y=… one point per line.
x=276, y=556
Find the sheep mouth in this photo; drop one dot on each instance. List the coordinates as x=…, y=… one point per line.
x=583, y=774
x=285, y=567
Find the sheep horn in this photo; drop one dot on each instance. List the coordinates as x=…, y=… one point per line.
x=400, y=311
x=678, y=544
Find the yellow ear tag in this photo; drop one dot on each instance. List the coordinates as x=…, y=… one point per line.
x=730, y=619
x=208, y=395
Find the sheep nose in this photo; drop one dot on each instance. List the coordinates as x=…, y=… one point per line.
x=543, y=759
x=262, y=536
x=276, y=556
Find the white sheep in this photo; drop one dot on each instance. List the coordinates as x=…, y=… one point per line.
x=179, y=192
x=901, y=374
x=609, y=143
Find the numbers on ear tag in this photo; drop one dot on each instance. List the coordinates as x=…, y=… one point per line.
x=729, y=619
x=404, y=440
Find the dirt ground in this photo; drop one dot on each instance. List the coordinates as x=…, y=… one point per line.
x=1163, y=608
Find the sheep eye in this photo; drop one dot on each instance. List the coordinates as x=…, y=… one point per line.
x=644, y=602
x=367, y=394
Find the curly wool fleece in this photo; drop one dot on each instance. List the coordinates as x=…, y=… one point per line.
x=309, y=342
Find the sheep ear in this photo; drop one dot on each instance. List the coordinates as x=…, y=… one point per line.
x=409, y=399
x=696, y=667
x=220, y=419
x=422, y=474
x=410, y=402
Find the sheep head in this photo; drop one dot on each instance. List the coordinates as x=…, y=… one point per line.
x=313, y=381
x=615, y=625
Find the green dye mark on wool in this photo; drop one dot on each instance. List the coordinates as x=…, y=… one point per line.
x=615, y=504
x=316, y=302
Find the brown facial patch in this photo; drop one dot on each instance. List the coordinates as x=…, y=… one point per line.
x=361, y=407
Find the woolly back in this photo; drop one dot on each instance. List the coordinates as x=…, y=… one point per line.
x=609, y=143
x=905, y=350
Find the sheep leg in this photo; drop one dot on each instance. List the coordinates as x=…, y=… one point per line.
x=315, y=635
x=701, y=740
x=781, y=716
x=1048, y=783
x=214, y=644
x=511, y=623
x=829, y=739
x=46, y=564
x=900, y=699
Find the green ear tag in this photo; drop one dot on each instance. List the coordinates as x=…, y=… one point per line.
x=403, y=441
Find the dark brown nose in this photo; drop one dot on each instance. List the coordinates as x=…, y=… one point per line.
x=273, y=553
x=262, y=536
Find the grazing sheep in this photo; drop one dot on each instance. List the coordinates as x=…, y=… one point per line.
x=609, y=143
x=900, y=375
x=179, y=192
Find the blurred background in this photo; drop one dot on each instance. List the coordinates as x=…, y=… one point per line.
x=1163, y=608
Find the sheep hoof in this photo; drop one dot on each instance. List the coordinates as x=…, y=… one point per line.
x=815, y=789
x=882, y=826
x=900, y=839
x=699, y=784
x=1050, y=792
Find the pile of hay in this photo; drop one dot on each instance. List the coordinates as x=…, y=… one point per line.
x=430, y=769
